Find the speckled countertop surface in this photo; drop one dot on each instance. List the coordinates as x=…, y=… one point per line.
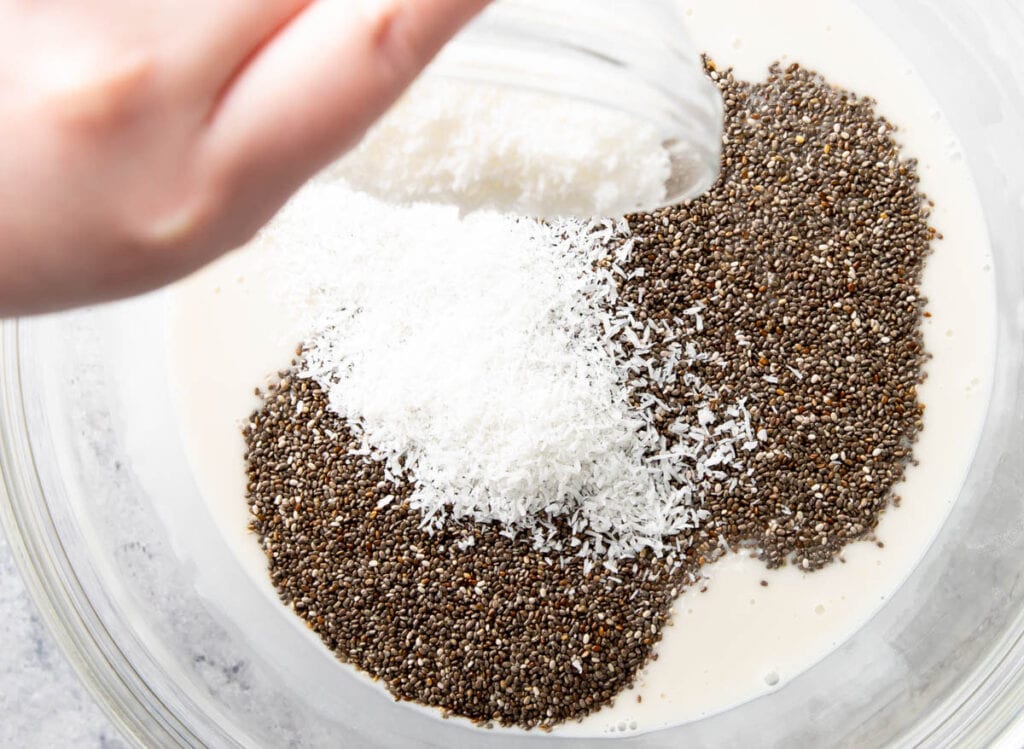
x=42, y=703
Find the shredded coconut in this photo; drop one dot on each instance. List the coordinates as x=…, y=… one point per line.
x=488, y=360
x=497, y=148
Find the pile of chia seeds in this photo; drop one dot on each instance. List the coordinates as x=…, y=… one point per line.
x=805, y=260
x=465, y=620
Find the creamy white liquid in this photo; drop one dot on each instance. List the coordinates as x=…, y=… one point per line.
x=227, y=337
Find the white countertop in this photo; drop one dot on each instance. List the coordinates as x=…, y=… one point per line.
x=42, y=703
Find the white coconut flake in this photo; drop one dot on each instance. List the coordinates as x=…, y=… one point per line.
x=484, y=359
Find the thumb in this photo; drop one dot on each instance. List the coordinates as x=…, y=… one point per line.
x=312, y=90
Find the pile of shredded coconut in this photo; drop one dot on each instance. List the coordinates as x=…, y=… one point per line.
x=535, y=154
x=487, y=360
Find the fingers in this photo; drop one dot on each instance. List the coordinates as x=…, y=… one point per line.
x=315, y=88
x=201, y=44
x=222, y=36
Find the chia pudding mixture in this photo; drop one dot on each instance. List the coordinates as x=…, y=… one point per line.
x=795, y=280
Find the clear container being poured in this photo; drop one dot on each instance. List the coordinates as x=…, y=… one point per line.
x=553, y=108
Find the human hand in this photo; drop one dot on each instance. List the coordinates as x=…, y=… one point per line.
x=141, y=140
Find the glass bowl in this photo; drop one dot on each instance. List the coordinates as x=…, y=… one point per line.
x=97, y=495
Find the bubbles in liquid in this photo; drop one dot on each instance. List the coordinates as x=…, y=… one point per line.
x=622, y=726
x=819, y=609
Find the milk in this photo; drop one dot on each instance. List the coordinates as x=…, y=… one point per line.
x=738, y=639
